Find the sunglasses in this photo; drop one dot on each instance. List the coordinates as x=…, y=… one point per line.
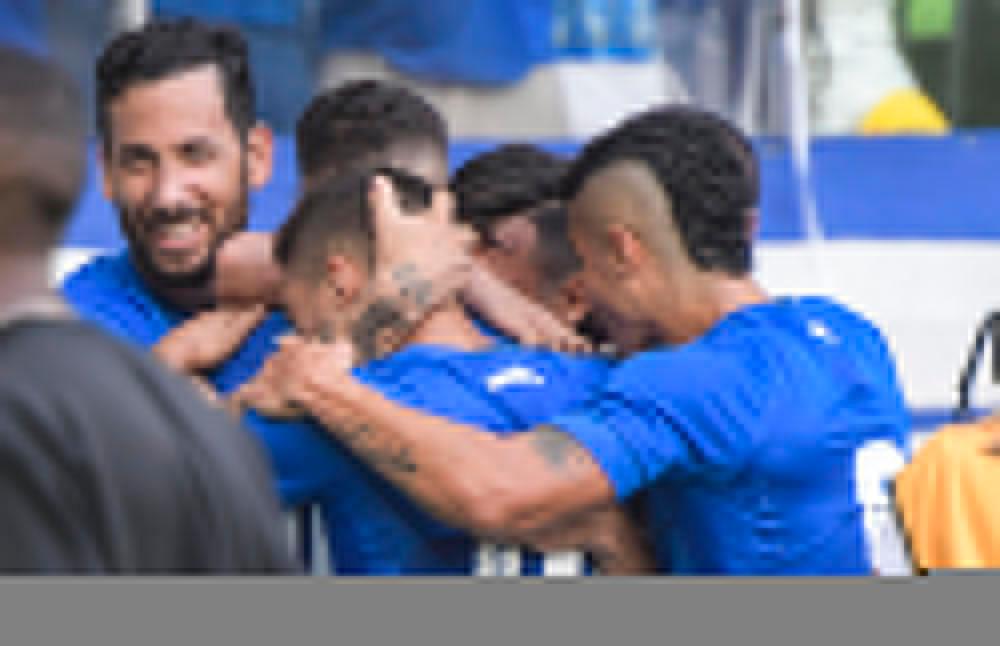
x=414, y=193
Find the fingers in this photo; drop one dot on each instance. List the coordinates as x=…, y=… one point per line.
x=385, y=207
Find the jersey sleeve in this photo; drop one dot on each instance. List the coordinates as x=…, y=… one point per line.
x=681, y=414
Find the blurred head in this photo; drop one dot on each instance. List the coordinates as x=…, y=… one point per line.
x=659, y=205
x=327, y=249
x=367, y=124
x=181, y=147
x=42, y=152
x=509, y=196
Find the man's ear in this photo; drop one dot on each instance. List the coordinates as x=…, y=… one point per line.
x=627, y=253
x=573, y=302
x=344, y=278
x=260, y=155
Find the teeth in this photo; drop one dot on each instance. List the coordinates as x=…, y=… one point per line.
x=180, y=230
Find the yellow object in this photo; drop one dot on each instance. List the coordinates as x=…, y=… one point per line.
x=948, y=499
x=905, y=112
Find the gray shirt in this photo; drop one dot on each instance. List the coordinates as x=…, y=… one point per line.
x=111, y=464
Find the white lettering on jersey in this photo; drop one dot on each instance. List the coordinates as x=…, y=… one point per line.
x=515, y=375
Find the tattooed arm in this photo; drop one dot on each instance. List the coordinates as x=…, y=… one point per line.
x=500, y=487
x=612, y=538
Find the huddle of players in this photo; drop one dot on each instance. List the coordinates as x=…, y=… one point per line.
x=718, y=434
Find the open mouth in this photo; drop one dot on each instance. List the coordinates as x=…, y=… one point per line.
x=179, y=238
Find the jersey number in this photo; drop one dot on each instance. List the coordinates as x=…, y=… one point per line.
x=876, y=464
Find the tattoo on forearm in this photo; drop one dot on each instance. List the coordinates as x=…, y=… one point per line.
x=363, y=439
x=557, y=447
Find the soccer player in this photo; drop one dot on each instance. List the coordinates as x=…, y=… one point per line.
x=746, y=431
x=447, y=367
x=510, y=197
x=111, y=464
x=180, y=151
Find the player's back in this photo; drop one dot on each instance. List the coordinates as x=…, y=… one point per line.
x=808, y=419
x=372, y=527
x=121, y=467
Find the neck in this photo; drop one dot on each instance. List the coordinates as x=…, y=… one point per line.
x=705, y=302
x=449, y=325
x=186, y=299
x=23, y=276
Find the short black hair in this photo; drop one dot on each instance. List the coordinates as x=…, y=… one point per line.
x=505, y=181
x=355, y=124
x=705, y=166
x=164, y=48
x=42, y=148
x=555, y=255
x=336, y=211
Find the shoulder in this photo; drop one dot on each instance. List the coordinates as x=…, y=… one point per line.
x=104, y=272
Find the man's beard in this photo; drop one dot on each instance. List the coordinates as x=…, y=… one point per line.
x=136, y=229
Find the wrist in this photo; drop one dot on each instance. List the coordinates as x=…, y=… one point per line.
x=175, y=357
x=338, y=395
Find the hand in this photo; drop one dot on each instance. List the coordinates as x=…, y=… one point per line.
x=267, y=392
x=517, y=316
x=246, y=272
x=208, y=339
x=312, y=372
x=422, y=260
x=608, y=534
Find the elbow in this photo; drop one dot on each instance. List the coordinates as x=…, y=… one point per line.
x=498, y=509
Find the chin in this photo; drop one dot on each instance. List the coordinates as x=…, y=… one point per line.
x=188, y=275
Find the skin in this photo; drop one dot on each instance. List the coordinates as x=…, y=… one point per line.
x=511, y=257
x=332, y=306
x=516, y=487
x=179, y=174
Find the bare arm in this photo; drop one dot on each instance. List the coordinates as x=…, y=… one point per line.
x=507, y=488
x=208, y=339
x=612, y=538
x=423, y=261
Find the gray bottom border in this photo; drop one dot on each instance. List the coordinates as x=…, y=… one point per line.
x=944, y=609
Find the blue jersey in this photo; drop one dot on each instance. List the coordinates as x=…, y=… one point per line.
x=372, y=527
x=109, y=292
x=753, y=446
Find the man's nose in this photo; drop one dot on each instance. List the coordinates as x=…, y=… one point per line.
x=172, y=189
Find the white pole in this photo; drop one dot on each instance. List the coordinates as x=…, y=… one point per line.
x=797, y=108
x=130, y=14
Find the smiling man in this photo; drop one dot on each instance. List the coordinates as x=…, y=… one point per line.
x=748, y=433
x=180, y=151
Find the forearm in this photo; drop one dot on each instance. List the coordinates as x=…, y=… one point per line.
x=609, y=535
x=498, y=487
x=176, y=356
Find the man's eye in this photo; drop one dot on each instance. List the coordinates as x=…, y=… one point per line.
x=134, y=162
x=197, y=154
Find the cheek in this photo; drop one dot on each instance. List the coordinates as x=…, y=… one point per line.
x=298, y=304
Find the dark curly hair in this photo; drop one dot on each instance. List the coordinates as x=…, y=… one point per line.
x=706, y=167
x=354, y=124
x=504, y=181
x=164, y=48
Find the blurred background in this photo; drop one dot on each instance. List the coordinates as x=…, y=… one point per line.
x=873, y=118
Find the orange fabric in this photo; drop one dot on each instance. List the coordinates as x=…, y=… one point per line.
x=948, y=499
